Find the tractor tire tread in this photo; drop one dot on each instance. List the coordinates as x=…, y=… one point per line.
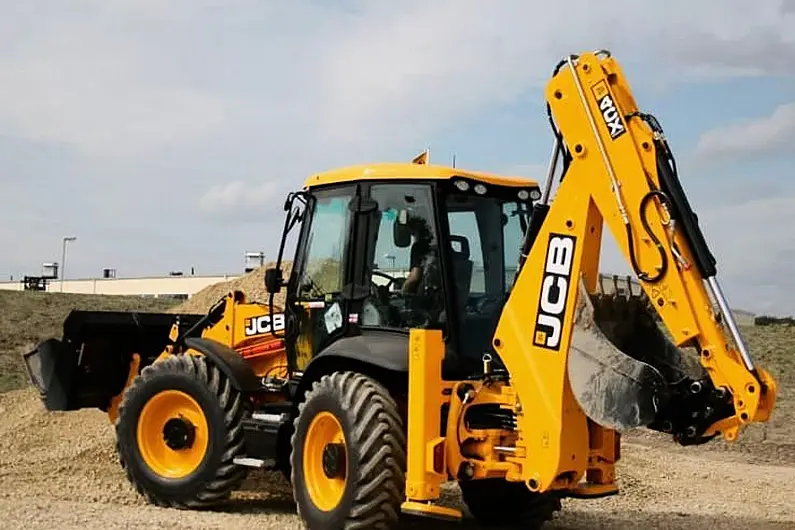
x=228, y=476
x=378, y=442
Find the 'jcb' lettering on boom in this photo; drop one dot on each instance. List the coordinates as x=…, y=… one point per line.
x=262, y=324
x=555, y=286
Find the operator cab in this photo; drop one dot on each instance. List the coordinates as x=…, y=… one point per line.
x=391, y=247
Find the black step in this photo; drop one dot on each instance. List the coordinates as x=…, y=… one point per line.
x=261, y=433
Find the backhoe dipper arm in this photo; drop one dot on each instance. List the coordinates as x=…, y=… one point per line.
x=618, y=172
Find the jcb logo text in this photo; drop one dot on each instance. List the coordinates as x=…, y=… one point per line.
x=264, y=324
x=611, y=116
x=555, y=286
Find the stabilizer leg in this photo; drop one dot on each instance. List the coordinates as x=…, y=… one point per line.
x=426, y=449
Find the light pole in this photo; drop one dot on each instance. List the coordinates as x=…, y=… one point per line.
x=63, y=258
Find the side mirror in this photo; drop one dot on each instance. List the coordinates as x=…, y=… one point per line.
x=273, y=280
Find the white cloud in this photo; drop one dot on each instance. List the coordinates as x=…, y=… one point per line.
x=769, y=134
x=125, y=78
x=86, y=86
x=216, y=110
x=755, y=247
x=241, y=201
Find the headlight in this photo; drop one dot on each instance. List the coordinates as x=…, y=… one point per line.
x=480, y=189
x=462, y=185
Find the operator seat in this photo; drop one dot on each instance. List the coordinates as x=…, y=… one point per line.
x=462, y=269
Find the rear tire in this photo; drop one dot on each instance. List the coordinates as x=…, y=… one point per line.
x=173, y=462
x=348, y=455
x=497, y=502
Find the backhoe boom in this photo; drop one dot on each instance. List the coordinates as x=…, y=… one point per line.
x=571, y=355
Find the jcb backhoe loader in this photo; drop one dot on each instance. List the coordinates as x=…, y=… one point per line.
x=443, y=324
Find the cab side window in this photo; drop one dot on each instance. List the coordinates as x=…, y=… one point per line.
x=322, y=272
x=405, y=273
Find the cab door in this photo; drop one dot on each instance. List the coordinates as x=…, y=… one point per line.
x=322, y=268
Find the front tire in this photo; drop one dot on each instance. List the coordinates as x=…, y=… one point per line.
x=178, y=431
x=348, y=455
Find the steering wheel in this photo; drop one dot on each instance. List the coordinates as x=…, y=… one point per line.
x=392, y=279
x=414, y=316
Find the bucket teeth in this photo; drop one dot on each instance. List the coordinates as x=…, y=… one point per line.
x=620, y=364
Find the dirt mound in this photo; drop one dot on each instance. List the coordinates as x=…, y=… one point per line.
x=60, y=470
x=61, y=456
x=66, y=456
x=251, y=284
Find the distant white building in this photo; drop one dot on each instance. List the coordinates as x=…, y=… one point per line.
x=181, y=287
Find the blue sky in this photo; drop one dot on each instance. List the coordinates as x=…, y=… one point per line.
x=165, y=134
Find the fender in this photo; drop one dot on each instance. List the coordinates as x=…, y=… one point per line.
x=228, y=361
x=384, y=352
x=389, y=350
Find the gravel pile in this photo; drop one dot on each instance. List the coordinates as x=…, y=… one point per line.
x=59, y=470
x=252, y=285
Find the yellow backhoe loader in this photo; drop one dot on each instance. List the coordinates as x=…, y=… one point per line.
x=449, y=325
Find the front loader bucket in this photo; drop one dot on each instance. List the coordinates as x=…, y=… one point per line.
x=90, y=363
x=620, y=363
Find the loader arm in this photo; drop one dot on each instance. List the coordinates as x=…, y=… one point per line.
x=564, y=363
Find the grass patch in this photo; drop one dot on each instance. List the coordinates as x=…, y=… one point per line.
x=773, y=348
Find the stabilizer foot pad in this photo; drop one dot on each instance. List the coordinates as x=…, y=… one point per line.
x=430, y=511
x=593, y=491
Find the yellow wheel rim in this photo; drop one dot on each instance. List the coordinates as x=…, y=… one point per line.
x=172, y=434
x=325, y=461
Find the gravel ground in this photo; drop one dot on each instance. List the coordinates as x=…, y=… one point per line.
x=59, y=470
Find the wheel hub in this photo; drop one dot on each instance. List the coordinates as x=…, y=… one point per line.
x=334, y=460
x=172, y=434
x=324, y=461
x=179, y=433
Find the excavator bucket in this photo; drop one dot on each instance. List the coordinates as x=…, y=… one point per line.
x=621, y=365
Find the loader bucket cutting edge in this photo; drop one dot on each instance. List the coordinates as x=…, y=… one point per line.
x=615, y=388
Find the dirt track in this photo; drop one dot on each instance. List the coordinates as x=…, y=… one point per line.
x=60, y=471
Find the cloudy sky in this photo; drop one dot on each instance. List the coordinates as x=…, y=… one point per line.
x=164, y=135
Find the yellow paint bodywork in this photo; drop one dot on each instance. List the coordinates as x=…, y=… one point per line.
x=409, y=170
x=326, y=492
x=265, y=353
x=555, y=445
x=428, y=462
x=164, y=406
x=113, y=409
x=426, y=455
x=556, y=437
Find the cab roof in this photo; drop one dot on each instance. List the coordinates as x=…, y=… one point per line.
x=409, y=170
